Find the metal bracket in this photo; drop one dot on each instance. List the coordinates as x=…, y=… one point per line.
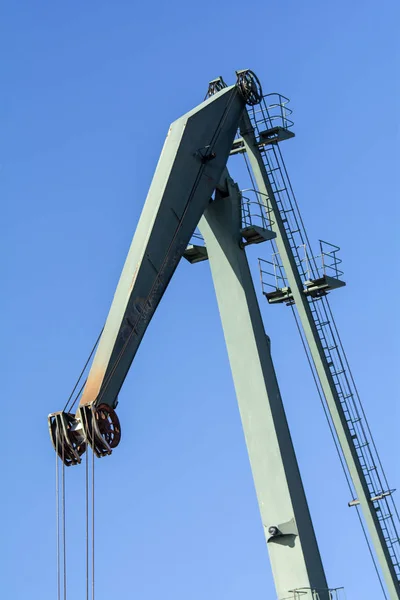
x=205, y=154
x=195, y=253
x=356, y=502
x=283, y=529
x=215, y=86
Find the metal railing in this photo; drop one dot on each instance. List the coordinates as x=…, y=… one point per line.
x=326, y=263
x=317, y=594
x=330, y=260
x=255, y=210
x=274, y=270
x=272, y=112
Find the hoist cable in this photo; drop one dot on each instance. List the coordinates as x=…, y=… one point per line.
x=58, y=523
x=87, y=522
x=63, y=525
x=77, y=395
x=82, y=372
x=92, y=523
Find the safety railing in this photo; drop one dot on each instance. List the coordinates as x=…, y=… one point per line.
x=325, y=263
x=330, y=260
x=305, y=593
x=255, y=210
x=272, y=274
x=273, y=111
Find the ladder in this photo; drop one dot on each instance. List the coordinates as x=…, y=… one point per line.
x=335, y=356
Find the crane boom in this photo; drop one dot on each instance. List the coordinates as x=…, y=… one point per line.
x=190, y=166
x=192, y=161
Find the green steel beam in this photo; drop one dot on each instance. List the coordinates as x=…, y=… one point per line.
x=192, y=160
x=294, y=553
x=321, y=365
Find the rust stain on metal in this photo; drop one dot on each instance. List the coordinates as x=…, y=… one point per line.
x=92, y=386
x=108, y=424
x=134, y=278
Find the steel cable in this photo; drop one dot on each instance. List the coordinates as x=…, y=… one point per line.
x=93, y=522
x=63, y=526
x=58, y=523
x=90, y=526
x=87, y=524
x=81, y=375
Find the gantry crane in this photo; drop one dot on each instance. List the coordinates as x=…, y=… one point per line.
x=192, y=188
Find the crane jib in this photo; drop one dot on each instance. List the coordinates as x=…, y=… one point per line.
x=191, y=163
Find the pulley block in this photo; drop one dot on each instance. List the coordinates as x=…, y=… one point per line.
x=101, y=427
x=97, y=426
x=67, y=437
x=249, y=87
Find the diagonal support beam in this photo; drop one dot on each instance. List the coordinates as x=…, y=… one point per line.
x=190, y=166
x=292, y=546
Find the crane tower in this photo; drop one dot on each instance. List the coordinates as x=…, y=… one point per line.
x=195, y=210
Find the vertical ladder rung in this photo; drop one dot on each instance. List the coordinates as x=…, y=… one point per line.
x=359, y=446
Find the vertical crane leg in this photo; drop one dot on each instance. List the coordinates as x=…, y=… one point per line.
x=320, y=361
x=293, y=550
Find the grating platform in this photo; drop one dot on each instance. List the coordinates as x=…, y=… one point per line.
x=274, y=135
x=256, y=235
x=195, y=254
x=322, y=285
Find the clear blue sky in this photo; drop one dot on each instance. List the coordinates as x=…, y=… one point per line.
x=88, y=92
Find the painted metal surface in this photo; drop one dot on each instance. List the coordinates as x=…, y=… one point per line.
x=321, y=365
x=189, y=170
x=291, y=542
x=190, y=166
